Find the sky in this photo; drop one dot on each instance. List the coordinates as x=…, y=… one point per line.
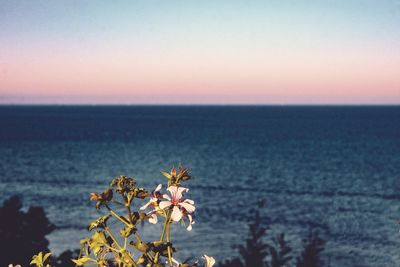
x=200, y=52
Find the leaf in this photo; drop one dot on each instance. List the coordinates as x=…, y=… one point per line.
x=166, y=174
x=81, y=261
x=127, y=231
x=97, y=242
x=39, y=259
x=99, y=223
x=142, y=247
x=46, y=256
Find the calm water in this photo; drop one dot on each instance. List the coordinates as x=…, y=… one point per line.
x=336, y=168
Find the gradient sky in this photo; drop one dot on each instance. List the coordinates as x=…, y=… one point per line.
x=167, y=51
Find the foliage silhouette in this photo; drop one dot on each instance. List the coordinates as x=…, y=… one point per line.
x=255, y=250
x=311, y=255
x=22, y=234
x=280, y=253
x=257, y=253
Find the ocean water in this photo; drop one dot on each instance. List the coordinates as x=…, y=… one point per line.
x=336, y=168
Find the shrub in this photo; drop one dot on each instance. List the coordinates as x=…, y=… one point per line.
x=22, y=234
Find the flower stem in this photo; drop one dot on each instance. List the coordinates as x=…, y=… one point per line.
x=117, y=216
x=112, y=237
x=168, y=240
x=167, y=221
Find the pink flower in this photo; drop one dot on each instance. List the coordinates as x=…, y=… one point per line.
x=153, y=203
x=179, y=206
x=154, y=197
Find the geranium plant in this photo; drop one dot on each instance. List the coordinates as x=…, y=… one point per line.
x=105, y=248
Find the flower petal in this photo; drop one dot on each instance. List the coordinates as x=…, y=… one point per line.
x=176, y=214
x=146, y=205
x=189, y=201
x=176, y=192
x=188, y=207
x=153, y=218
x=166, y=197
x=158, y=188
x=164, y=204
x=172, y=189
x=191, y=222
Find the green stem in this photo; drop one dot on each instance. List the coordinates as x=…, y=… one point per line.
x=167, y=219
x=129, y=213
x=117, y=202
x=117, y=216
x=113, y=238
x=168, y=240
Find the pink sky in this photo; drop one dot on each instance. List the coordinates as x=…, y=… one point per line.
x=231, y=64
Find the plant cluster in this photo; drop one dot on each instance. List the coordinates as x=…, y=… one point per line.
x=256, y=252
x=127, y=248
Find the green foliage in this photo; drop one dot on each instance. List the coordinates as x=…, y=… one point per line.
x=104, y=248
x=40, y=259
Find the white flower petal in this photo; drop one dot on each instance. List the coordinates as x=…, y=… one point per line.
x=166, y=197
x=146, y=205
x=176, y=192
x=188, y=207
x=191, y=222
x=153, y=218
x=189, y=201
x=158, y=188
x=172, y=189
x=176, y=214
x=180, y=191
x=164, y=204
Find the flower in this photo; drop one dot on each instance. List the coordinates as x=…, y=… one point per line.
x=10, y=265
x=180, y=206
x=153, y=202
x=210, y=261
x=154, y=197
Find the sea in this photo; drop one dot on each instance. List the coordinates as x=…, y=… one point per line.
x=331, y=169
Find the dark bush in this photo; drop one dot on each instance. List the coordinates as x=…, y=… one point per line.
x=22, y=234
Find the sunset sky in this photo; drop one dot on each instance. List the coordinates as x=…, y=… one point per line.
x=199, y=52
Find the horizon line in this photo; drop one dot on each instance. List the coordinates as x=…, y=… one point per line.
x=203, y=104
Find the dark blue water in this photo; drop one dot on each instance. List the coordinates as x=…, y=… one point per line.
x=336, y=168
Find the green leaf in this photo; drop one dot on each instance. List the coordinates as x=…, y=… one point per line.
x=81, y=261
x=99, y=223
x=127, y=231
x=39, y=259
x=97, y=242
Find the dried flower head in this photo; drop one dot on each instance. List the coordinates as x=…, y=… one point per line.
x=175, y=178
